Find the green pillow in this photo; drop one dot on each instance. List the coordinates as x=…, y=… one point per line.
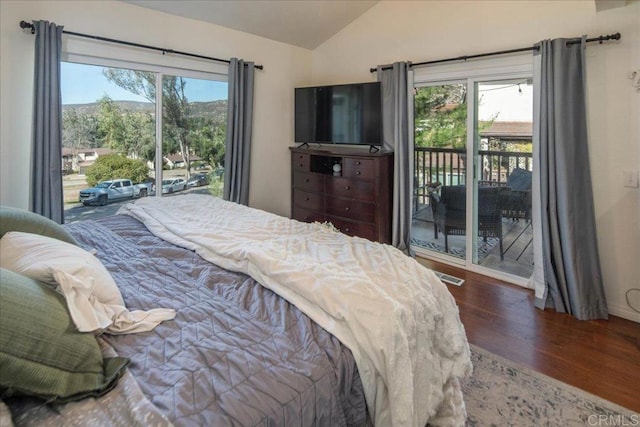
x=13, y=219
x=41, y=352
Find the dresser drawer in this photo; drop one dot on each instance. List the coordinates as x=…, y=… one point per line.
x=300, y=162
x=306, y=200
x=306, y=215
x=346, y=187
x=352, y=228
x=358, y=168
x=350, y=208
x=308, y=182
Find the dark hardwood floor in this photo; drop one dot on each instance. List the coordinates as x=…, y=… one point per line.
x=601, y=357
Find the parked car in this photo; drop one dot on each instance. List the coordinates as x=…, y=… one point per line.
x=145, y=188
x=115, y=189
x=198, y=180
x=171, y=185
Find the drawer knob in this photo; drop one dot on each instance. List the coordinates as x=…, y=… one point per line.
x=347, y=187
x=306, y=199
x=307, y=180
x=358, y=162
x=300, y=165
x=358, y=172
x=347, y=229
x=347, y=209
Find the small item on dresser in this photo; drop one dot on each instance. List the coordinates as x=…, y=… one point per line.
x=337, y=169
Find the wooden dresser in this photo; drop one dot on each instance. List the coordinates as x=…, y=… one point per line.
x=357, y=200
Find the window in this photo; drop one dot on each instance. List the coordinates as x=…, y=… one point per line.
x=115, y=126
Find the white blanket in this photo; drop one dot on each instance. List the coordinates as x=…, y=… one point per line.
x=397, y=318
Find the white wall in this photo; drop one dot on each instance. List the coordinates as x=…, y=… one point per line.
x=420, y=31
x=286, y=66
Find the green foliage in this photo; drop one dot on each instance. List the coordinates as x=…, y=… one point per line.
x=116, y=166
x=128, y=132
x=216, y=182
x=79, y=130
x=440, y=116
x=208, y=140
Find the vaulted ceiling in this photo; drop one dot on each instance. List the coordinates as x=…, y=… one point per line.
x=304, y=23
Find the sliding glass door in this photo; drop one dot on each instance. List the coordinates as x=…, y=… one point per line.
x=440, y=168
x=473, y=169
x=503, y=149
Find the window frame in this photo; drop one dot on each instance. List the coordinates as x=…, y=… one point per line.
x=202, y=69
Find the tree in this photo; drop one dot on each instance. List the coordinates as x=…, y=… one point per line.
x=110, y=124
x=129, y=132
x=116, y=166
x=209, y=139
x=78, y=129
x=177, y=123
x=440, y=116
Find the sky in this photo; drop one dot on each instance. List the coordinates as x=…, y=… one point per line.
x=512, y=102
x=83, y=84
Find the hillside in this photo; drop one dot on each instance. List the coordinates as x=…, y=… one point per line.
x=197, y=109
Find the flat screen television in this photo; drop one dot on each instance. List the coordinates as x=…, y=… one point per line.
x=339, y=114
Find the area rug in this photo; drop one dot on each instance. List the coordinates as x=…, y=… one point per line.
x=504, y=393
x=457, y=249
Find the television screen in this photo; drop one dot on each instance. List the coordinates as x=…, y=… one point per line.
x=341, y=114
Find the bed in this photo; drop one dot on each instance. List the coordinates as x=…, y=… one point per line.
x=277, y=323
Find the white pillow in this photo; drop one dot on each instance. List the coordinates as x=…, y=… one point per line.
x=92, y=296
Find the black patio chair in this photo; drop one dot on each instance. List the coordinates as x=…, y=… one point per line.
x=518, y=203
x=449, y=213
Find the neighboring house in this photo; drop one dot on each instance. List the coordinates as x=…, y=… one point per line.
x=520, y=132
x=175, y=161
x=502, y=136
x=76, y=160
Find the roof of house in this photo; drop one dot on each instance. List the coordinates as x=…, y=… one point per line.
x=67, y=151
x=512, y=130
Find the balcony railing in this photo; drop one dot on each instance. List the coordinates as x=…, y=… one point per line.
x=448, y=167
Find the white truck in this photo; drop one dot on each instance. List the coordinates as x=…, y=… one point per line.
x=115, y=189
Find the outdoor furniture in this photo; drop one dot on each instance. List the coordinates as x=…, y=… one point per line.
x=518, y=202
x=449, y=213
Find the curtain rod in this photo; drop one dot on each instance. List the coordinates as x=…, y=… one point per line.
x=25, y=24
x=599, y=39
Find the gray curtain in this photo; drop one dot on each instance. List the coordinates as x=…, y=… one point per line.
x=395, y=126
x=573, y=280
x=239, y=124
x=46, y=157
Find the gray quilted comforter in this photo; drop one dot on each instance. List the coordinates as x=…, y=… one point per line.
x=236, y=354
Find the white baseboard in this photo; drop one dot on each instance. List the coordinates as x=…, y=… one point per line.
x=624, y=312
